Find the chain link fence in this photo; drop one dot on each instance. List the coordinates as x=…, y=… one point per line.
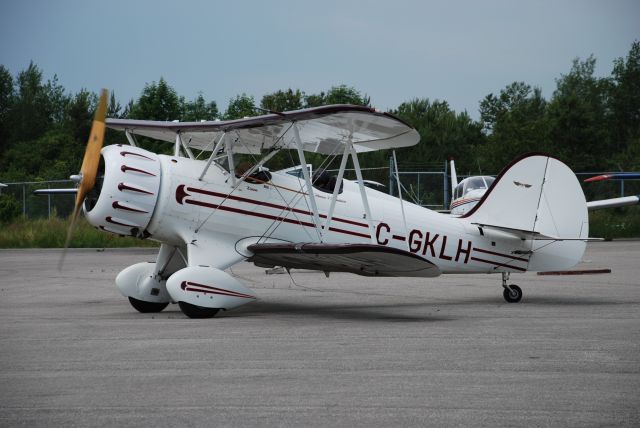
x=41, y=206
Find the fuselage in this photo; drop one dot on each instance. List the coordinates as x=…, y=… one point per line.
x=227, y=218
x=217, y=217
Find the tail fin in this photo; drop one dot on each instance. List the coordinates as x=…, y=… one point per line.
x=454, y=176
x=540, y=196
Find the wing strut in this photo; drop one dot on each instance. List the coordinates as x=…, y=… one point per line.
x=307, y=179
x=404, y=218
x=363, y=192
x=130, y=138
x=229, y=148
x=186, y=148
x=176, y=146
x=213, y=155
x=336, y=190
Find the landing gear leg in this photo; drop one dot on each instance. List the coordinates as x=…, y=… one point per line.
x=512, y=293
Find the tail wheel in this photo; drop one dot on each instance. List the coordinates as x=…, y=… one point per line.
x=512, y=293
x=147, y=307
x=193, y=311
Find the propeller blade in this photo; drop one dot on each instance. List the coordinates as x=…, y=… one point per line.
x=89, y=168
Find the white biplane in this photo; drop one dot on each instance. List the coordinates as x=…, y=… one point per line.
x=208, y=216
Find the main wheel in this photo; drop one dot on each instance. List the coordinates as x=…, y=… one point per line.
x=512, y=294
x=147, y=307
x=193, y=311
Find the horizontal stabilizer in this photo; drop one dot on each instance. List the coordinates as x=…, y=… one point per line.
x=532, y=235
x=361, y=259
x=518, y=233
x=614, y=202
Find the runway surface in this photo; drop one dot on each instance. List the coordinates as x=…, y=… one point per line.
x=344, y=351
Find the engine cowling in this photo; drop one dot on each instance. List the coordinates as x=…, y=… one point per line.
x=125, y=201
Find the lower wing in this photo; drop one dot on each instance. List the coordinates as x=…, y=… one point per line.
x=361, y=259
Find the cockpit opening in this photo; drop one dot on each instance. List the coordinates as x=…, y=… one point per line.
x=325, y=182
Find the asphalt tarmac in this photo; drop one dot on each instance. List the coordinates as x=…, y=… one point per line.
x=343, y=351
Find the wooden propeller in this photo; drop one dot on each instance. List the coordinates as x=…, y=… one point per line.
x=90, y=163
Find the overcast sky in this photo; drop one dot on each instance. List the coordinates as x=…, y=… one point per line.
x=458, y=51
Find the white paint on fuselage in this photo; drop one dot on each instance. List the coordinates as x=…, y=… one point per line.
x=217, y=222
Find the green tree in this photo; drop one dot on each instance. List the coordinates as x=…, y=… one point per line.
x=126, y=113
x=578, y=117
x=114, y=107
x=158, y=101
x=315, y=100
x=346, y=95
x=37, y=105
x=515, y=122
x=283, y=100
x=79, y=114
x=443, y=133
x=241, y=106
x=7, y=98
x=341, y=94
x=199, y=109
x=625, y=108
x=37, y=112
x=10, y=209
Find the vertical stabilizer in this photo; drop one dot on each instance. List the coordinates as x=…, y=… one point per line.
x=541, y=197
x=454, y=176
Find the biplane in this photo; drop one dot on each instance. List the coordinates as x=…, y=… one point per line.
x=209, y=211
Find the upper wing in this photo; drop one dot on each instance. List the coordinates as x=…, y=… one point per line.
x=361, y=259
x=322, y=130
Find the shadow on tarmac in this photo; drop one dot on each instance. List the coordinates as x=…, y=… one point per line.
x=391, y=312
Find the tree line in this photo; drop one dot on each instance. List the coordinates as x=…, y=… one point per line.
x=590, y=122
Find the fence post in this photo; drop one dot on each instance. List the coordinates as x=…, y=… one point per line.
x=446, y=187
x=24, y=201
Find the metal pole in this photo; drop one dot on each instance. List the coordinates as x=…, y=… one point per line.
x=24, y=201
x=49, y=202
x=446, y=188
